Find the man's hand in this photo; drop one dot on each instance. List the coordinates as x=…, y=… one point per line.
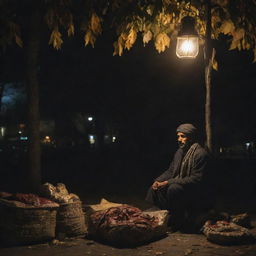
x=155, y=185
x=158, y=184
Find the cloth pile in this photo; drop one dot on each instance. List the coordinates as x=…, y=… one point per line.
x=58, y=193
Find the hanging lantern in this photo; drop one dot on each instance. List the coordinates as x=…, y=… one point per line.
x=187, y=40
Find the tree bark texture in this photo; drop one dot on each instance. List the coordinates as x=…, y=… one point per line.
x=209, y=54
x=34, y=151
x=208, y=102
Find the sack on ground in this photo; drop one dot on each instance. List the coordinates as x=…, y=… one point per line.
x=70, y=220
x=70, y=215
x=125, y=225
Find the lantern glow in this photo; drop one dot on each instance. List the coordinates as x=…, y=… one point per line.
x=187, y=46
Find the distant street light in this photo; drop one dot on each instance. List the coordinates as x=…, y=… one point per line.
x=187, y=41
x=90, y=118
x=91, y=139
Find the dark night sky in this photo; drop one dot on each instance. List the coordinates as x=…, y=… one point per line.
x=145, y=90
x=155, y=89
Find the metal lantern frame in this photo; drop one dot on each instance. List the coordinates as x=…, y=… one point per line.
x=187, y=40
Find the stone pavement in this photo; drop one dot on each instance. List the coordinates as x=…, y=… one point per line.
x=175, y=244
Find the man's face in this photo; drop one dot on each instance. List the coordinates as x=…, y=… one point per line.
x=182, y=139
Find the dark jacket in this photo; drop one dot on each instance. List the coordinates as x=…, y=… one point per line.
x=197, y=167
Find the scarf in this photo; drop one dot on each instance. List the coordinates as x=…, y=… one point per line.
x=188, y=162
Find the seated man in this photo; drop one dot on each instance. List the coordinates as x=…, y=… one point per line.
x=182, y=185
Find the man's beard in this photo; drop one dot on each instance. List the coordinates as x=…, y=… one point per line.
x=181, y=145
x=185, y=145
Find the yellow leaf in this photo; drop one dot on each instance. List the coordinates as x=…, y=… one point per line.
x=55, y=39
x=194, y=10
x=234, y=44
x=238, y=34
x=243, y=44
x=120, y=44
x=131, y=38
x=239, y=46
x=128, y=26
x=89, y=38
x=222, y=3
x=95, y=24
x=166, y=2
x=118, y=48
x=238, y=41
x=161, y=42
x=227, y=27
x=215, y=64
x=254, y=52
x=50, y=17
x=247, y=46
x=115, y=48
x=147, y=37
x=164, y=18
x=18, y=41
x=155, y=29
x=71, y=29
x=150, y=9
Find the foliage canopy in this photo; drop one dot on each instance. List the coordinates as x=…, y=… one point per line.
x=157, y=20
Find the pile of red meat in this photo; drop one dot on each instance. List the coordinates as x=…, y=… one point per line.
x=28, y=199
x=123, y=225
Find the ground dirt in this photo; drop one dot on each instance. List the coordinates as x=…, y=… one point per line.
x=174, y=244
x=96, y=179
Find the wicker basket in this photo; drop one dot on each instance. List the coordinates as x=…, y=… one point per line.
x=227, y=233
x=26, y=225
x=71, y=219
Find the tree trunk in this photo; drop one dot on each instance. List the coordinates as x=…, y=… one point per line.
x=209, y=54
x=33, y=122
x=208, y=102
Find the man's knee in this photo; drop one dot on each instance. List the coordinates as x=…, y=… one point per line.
x=175, y=189
x=176, y=197
x=157, y=198
x=151, y=194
